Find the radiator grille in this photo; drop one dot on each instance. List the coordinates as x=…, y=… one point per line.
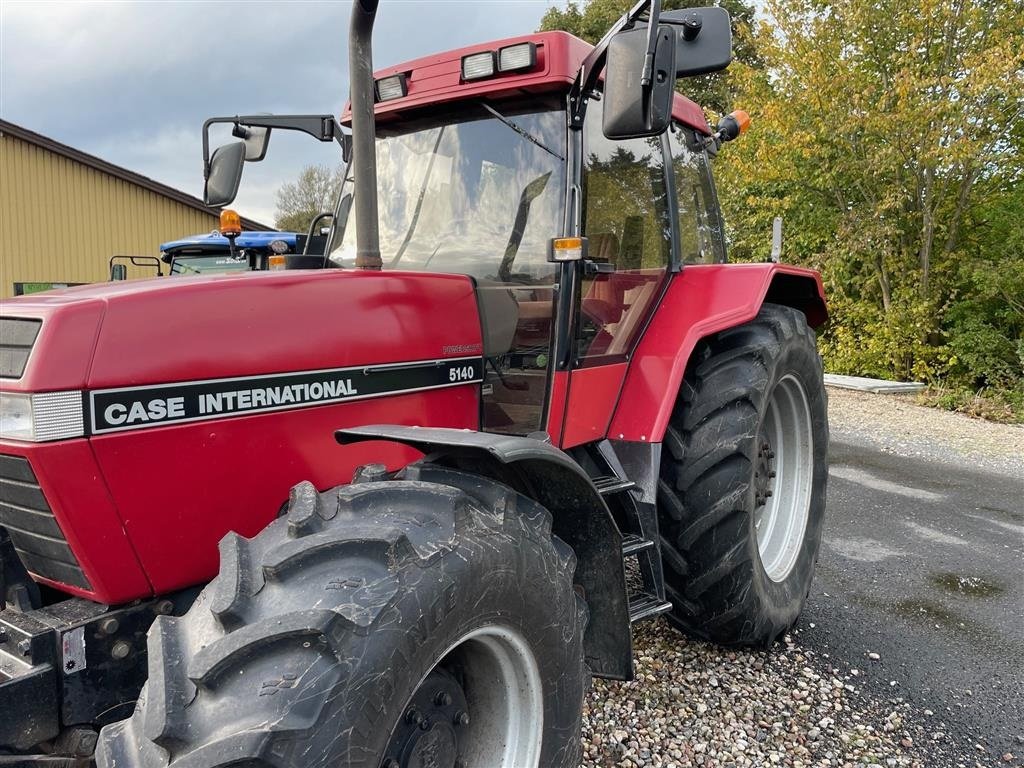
x=16, y=339
x=28, y=519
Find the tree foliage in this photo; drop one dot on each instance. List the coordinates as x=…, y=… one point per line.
x=888, y=136
x=314, y=192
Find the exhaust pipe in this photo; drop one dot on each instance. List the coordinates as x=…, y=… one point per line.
x=364, y=153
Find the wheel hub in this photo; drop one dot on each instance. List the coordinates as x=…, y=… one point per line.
x=428, y=735
x=783, y=475
x=764, y=472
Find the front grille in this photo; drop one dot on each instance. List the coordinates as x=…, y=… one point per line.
x=28, y=519
x=16, y=339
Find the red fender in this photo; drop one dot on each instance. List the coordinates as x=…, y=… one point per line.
x=703, y=299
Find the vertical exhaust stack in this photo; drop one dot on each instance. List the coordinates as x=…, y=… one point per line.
x=364, y=154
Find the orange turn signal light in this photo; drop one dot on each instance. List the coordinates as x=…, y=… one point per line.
x=230, y=223
x=742, y=120
x=567, y=249
x=276, y=261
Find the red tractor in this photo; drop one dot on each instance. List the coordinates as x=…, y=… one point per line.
x=380, y=514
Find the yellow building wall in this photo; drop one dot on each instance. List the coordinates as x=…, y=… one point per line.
x=61, y=221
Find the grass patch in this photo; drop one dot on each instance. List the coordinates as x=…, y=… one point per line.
x=1006, y=406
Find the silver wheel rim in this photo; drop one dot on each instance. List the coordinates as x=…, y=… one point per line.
x=504, y=693
x=501, y=682
x=786, y=450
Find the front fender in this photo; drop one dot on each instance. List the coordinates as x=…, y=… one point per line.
x=580, y=518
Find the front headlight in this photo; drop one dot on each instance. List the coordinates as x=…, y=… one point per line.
x=15, y=416
x=42, y=416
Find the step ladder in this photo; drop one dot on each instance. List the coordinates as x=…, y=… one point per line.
x=639, y=540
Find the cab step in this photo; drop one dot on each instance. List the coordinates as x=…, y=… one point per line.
x=633, y=544
x=643, y=605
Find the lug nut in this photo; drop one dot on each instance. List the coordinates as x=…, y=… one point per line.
x=109, y=626
x=462, y=718
x=164, y=607
x=443, y=699
x=414, y=717
x=391, y=763
x=121, y=649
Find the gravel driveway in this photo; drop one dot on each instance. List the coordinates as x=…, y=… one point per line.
x=695, y=704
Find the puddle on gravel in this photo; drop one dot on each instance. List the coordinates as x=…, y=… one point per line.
x=929, y=611
x=969, y=586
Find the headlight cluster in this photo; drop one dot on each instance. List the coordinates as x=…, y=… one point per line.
x=41, y=416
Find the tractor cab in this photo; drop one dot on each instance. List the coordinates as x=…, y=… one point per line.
x=529, y=167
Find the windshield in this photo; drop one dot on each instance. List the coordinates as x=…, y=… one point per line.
x=481, y=197
x=191, y=265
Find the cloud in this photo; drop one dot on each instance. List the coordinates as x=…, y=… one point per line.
x=132, y=82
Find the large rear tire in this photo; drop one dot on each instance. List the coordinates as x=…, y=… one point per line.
x=429, y=620
x=741, y=496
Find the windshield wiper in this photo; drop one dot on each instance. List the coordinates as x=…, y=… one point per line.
x=521, y=131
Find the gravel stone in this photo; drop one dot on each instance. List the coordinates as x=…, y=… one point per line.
x=786, y=706
x=895, y=424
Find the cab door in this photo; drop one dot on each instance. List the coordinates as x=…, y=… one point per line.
x=627, y=217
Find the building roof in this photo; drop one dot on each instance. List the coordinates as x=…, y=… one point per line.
x=51, y=145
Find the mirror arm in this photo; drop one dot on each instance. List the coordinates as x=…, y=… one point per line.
x=320, y=127
x=652, y=43
x=591, y=67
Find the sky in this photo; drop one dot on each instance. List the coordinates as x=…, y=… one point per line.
x=132, y=82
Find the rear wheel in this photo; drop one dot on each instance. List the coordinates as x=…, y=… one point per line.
x=742, y=491
x=429, y=620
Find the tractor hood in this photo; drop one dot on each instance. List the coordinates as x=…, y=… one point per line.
x=157, y=331
x=165, y=413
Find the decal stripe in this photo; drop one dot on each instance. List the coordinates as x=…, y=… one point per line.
x=156, y=405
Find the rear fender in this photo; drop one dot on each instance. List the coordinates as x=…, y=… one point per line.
x=700, y=301
x=580, y=518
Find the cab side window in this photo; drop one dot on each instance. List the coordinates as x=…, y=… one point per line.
x=701, y=235
x=626, y=220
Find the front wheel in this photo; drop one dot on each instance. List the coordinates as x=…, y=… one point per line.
x=742, y=491
x=429, y=620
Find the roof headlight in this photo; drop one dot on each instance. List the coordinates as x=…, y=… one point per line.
x=513, y=58
x=41, y=417
x=392, y=87
x=478, y=65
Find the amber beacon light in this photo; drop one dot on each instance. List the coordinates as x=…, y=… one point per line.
x=230, y=223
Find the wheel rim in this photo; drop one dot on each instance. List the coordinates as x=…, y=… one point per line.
x=783, y=478
x=481, y=705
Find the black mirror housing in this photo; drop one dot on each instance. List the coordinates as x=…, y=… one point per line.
x=703, y=39
x=225, y=174
x=256, y=138
x=630, y=109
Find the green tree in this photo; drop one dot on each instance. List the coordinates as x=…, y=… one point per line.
x=883, y=132
x=592, y=19
x=314, y=192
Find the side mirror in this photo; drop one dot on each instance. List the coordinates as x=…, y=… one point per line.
x=118, y=272
x=225, y=174
x=256, y=141
x=631, y=110
x=703, y=39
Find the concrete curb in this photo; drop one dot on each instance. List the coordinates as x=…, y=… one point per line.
x=877, y=386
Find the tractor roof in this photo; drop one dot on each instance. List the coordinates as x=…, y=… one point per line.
x=215, y=239
x=437, y=79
